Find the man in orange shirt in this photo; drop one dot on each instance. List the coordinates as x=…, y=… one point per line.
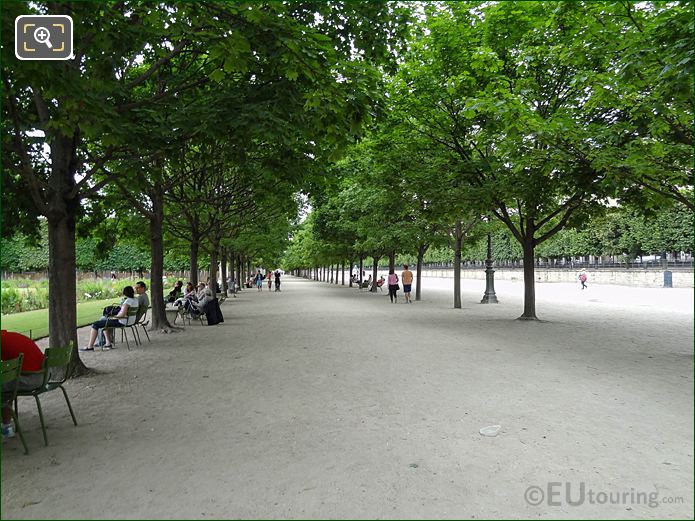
x=12, y=345
x=407, y=278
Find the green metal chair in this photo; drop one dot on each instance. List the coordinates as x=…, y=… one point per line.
x=143, y=323
x=56, y=367
x=9, y=377
x=132, y=313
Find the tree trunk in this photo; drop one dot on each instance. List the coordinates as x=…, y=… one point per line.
x=392, y=261
x=62, y=263
x=330, y=270
x=62, y=285
x=337, y=266
x=213, y=262
x=342, y=275
x=529, y=275
x=375, y=269
x=361, y=270
x=420, y=256
x=458, y=232
x=158, y=316
x=195, y=247
x=223, y=271
x=232, y=267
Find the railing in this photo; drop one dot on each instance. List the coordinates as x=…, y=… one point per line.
x=570, y=265
x=35, y=333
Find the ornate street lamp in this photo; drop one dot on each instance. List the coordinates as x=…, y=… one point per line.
x=490, y=297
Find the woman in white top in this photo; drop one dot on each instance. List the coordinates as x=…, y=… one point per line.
x=123, y=318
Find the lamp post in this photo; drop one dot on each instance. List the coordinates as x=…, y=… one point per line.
x=490, y=297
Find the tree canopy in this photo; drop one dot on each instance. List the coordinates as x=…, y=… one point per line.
x=198, y=134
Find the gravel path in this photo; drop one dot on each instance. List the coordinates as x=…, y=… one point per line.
x=324, y=402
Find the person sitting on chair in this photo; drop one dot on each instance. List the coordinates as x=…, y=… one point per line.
x=188, y=293
x=198, y=307
x=143, y=299
x=14, y=344
x=120, y=320
x=176, y=292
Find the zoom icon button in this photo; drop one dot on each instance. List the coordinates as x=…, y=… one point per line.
x=43, y=37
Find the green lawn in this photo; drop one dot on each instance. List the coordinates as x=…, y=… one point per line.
x=35, y=323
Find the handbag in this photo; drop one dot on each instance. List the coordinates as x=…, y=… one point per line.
x=398, y=287
x=110, y=311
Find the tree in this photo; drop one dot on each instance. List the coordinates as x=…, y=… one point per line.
x=133, y=65
x=503, y=88
x=642, y=115
x=80, y=109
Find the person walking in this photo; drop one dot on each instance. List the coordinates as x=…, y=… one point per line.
x=259, y=280
x=277, y=280
x=407, y=278
x=582, y=279
x=393, y=286
x=269, y=278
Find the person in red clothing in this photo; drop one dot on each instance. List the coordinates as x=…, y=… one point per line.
x=12, y=345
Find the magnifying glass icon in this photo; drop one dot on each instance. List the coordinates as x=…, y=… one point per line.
x=43, y=35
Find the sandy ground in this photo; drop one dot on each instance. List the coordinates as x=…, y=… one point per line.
x=324, y=402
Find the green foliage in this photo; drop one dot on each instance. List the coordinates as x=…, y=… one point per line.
x=19, y=295
x=641, y=117
x=20, y=253
x=125, y=256
x=16, y=300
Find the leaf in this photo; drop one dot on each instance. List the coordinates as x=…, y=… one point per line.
x=217, y=75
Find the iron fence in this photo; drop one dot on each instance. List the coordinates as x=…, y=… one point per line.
x=656, y=265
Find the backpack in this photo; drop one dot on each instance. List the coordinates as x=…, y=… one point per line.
x=582, y=277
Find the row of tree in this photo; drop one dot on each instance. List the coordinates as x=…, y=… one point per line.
x=202, y=127
x=622, y=235
x=198, y=123
x=539, y=116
